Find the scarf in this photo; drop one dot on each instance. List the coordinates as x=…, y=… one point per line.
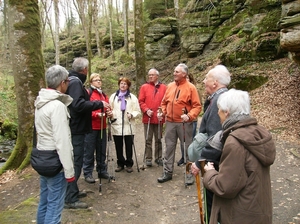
x=98, y=89
x=121, y=97
x=233, y=119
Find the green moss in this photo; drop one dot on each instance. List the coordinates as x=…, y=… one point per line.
x=248, y=82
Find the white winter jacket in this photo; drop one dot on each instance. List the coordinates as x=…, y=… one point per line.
x=132, y=107
x=52, y=126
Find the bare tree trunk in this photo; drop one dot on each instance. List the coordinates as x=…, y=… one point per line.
x=83, y=7
x=176, y=6
x=139, y=44
x=56, y=10
x=28, y=69
x=96, y=24
x=117, y=12
x=46, y=9
x=111, y=30
x=125, y=17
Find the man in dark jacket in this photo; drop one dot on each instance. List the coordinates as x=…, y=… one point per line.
x=215, y=82
x=80, y=124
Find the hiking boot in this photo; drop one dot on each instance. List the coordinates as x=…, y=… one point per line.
x=82, y=194
x=129, y=169
x=90, y=179
x=76, y=205
x=119, y=168
x=181, y=162
x=189, y=179
x=165, y=177
x=148, y=162
x=159, y=162
x=104, y=175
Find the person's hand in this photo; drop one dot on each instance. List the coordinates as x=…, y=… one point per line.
x=106, y=105
x=129, y=115
x=160, y=116
x=149, y=113
x=185, y=117
x=194, y=169
x=109, y=113
x=209, y=166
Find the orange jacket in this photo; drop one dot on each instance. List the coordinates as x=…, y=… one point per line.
x=181, y=95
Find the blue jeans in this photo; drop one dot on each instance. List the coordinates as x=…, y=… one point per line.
x=94, y=141
x=52, y=197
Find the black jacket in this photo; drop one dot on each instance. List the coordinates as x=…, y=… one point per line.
x=81, y=108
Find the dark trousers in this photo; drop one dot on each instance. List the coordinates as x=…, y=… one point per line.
x=94, y=141
x=119, y=142
x=78, y=150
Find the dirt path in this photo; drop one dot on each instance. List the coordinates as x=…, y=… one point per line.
x=138, y=197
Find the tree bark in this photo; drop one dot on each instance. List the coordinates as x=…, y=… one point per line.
x=28, y=69
x=111, y=30
x=96, y=24
x=139, y=44
x=125, y=17
x=56, y=10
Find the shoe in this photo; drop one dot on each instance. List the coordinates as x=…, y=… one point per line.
x=119, y=168
x=164, y=178
x=76, y=205
x=103, y=175
x=129, y=169
x=148, y=162
x=181, y=162
x=90, y=179
x=189, y=179
x=82, y=194
x=159, y=162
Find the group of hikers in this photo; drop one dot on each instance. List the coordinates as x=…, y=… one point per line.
x=72, y=121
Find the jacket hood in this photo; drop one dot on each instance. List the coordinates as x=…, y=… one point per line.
x=47, y=95
x=257, y=140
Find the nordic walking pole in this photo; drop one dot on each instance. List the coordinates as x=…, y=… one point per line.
x=101, y=138
x=184, y=148
x=137, y=165
x=159, y=136
x=188, y=166
x=147, y=134
x=109, y=139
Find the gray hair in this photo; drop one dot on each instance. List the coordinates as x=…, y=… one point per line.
x=184, y=68
x=79, y=64
x=154, y=69
x=234, y=102
x=221, y=74
x=55, y=75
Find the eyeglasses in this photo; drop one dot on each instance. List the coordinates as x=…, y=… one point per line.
x=97, y=80
x=66, y=81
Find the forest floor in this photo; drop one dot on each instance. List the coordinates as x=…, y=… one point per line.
x=138, y=198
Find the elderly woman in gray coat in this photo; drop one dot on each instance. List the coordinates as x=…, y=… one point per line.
x=242, y=187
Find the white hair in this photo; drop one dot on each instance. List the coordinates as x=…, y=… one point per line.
x=221, y=74
x=234, y=102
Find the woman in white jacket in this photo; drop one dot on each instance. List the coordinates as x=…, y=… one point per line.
x=53, y=133
x=125, y=109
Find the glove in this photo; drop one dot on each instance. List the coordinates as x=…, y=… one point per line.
x=129, y=115
x=160, y=116
x=185, y=117
x=149, y=113
x=69, y=180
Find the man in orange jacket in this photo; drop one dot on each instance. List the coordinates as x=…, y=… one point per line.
x=180, y=105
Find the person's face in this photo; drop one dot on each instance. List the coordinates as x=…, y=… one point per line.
x=64, y=85
x=223, y=115
x=97, y=82
x=179, y=74
x=123, y=86
x=152, y=76
x=210, y=84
